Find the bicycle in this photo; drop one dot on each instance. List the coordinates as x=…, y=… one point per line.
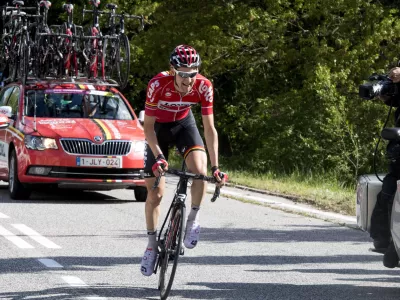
x=93, y=52
x=70, y=65
x=118, y=54
x=16, y=40
x=170, y=240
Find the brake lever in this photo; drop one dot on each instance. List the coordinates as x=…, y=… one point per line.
x=217, y=191
x=216, y=194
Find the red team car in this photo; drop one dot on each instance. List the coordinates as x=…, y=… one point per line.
x=71, y=135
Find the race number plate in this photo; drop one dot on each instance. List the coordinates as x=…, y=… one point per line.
x=102, y=162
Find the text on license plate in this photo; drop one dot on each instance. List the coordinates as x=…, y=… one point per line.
x=105, y=162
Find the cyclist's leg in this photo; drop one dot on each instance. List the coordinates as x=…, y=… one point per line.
x=195, y=157
x=152, y=207
x=190, y=144
x=196, y=161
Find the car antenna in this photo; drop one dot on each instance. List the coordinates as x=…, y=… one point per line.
x=34, y=115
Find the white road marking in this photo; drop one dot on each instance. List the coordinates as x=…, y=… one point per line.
x=318, y=212
x=47, y=296
x=292, y=207
x=36, y=236
x=262, y=200
x=16, y=240
x=96, y=298
x=50, y=263
x=228, y=192
x=74, y=281
x=3, y=216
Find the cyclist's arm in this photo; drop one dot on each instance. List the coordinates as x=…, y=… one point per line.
x=150, y=134
x=211, y=136
x=152, y=96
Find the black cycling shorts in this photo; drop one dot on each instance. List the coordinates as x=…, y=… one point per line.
x=183, y=134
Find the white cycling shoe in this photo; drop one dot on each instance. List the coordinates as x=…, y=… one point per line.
x=192, y=234
x=148, y=261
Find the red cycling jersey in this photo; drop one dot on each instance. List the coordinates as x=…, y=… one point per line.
x=167, y=105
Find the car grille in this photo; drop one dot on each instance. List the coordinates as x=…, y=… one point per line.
x=77, y=146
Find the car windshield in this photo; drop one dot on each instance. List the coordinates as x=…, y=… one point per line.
x=76, y=104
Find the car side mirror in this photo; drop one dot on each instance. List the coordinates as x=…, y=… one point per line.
x=4, y=121
x=6, y=110
x=141, y=117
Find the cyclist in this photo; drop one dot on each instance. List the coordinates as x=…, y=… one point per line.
x=169, y=120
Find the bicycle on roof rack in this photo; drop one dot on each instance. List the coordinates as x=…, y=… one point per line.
x=116, y=47
x=16, y=40
x=118, y=52
x=70, y=46
x=93, y=51
x=33, y=48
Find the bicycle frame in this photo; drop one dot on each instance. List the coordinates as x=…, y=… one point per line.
x=178, y=200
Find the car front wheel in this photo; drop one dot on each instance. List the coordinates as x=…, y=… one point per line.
x=140, y=193
x=17, y=190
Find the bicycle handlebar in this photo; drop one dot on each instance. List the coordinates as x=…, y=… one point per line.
x=110, y=13
x=187, y=175
x=24, y=15
x=100, y=12
x=20, y=8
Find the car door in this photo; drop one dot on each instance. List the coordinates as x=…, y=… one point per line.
x=4, y=134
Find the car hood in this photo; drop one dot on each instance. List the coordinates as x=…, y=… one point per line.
x=91, y=129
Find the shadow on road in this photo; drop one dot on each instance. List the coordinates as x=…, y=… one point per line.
x=328, y=233
x=210, y=290
x=53, y=195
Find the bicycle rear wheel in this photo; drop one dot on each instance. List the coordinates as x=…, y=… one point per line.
x=173, y=244
x=123, y=60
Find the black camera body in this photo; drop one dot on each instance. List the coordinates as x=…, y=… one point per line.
x=380, y=86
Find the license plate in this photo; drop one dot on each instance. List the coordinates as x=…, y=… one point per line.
x=103, y=162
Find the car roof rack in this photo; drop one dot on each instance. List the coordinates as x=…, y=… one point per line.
x=80, y=80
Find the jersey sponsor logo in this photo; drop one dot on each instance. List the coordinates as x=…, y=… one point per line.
x=152, y=87
x=207, y=91
x=175, y=104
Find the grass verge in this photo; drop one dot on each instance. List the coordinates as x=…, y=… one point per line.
x=317, y=190
x=323, y=191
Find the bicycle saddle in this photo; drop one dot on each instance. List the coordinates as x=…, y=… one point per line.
x=17, y=2
x=111, y=6
x=45, y=3
x=95, y=2
x=68, y=7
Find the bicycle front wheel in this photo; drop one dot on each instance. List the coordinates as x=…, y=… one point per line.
x=173, y=244
x=24, y=57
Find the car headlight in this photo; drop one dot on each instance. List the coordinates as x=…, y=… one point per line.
x=139, y=146
x=39, y=143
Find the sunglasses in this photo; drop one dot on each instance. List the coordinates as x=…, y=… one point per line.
x=186, y=74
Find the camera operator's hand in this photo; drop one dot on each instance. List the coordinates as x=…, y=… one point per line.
x=394, y=74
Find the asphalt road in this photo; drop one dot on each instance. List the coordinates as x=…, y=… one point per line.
x=88, y=245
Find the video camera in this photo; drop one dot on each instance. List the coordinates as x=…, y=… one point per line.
x=379, y=86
